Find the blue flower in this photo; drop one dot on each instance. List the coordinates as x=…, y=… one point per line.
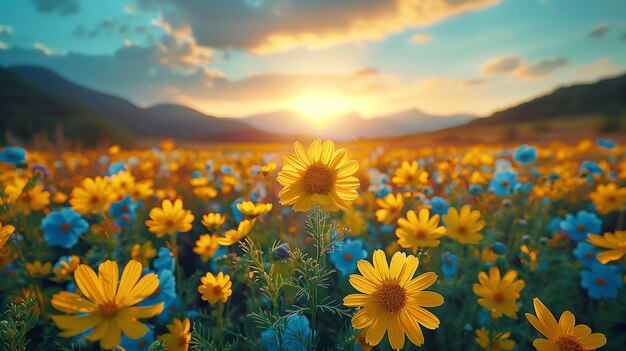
x=499, y=248
x=586, y=254
x=116, y=167
x=345, y=257
x=606, y=143
x=504, y=183
x=475, y=189
x=449, y=265
x=295, y=337
x=124, y=211
x=164, y=260
x=601, y=282
x=13, y=154
x=140, y=344
x=237, y=215
x=166, y=292
x=525, y=154
x=439, y=205
x=63, y=227
x=584, y=223
x=588, y=168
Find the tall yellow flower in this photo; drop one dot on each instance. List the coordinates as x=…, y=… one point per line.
x=608, y=198
x=233, y=236
x=169, y=219
x=37, y=269
x=143, y=253
x=212, y=221
x=66, y=269
x=251, y=209
x=409, y=175
x=320, y=175
x=464, y=226
x=499, y=294
x=215, y=288
x=34, y=199
x=92, y=196
x=423, y=231
x=179, y=336
x=206, y=246
x=494, y=341
x=392, y=300
x=615, y=242
x=390, y=207
x=5, y=233
x=564, y=335
x=105, y=306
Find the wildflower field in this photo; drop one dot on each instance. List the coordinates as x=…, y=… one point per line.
x=314, y=246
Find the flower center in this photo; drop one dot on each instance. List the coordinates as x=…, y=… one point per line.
x=347, y=257
x=124, y=208
x=420, y=234
x=462, y=229
x=217, y=290
x=317, y=179
x=581, y=228
x=498, y=297
x=600, y=281
x=448, y=261
x=169, y=223
x=142, y=343
x=66, y=227
x=94, y=199
x=569, y=343
x=391, y=297
x=589, y=255
x=182, y=340
x=505, y=184
x=109, y=309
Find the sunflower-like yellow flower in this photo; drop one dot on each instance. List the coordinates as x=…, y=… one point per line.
x=169, y=219
x=390, y=207
x=464, y=226
x=268, y=169
x=92, y=196
x=234, y=236
x=251, y=209
x=37, y=269
x=499, y=294
x=320, y=175
x=66, y=269
x=494, y=341
x=608, y=198
x=419, y=231
x=33, y=199
x=409, y=175
x=143, y=253
x=564, y=335
x=615, y=242
x=123, y=183
x=5, y=233
x=392, y=300
x=215, y=288
x=179, y=336
x=206, y=246
x=105, y=305
x=212, y=221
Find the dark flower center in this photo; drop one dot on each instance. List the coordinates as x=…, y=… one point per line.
x=569, y=343
x=391, y=297
x=317, y=179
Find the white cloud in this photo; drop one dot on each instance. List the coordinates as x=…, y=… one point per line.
x=420, y=38
x=6, y=30
x=48, y=51
x=520, y=68
x=599, y=30
x=600, y=68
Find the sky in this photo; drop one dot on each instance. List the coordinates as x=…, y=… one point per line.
x=320, y=58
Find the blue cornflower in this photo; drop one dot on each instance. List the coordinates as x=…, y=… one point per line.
x=449, y=265
x=525, y=154
x=584, y=223
x=504, y=183
x=63, y=227
x=140, y=344
x=295, y=337
x=346, y=256
x=602, y=282
x=164, y=260
x=606, y=143
x=124, y=211
x=588, y=168
x=116, y=167
x=13, y=154
x=586, y=254
x=167, y=289
x=439, y=206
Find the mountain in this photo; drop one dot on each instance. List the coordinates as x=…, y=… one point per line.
x=28, y=111
x=353, y=126
x=166, y=120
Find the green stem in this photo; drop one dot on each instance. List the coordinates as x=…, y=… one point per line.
x=179, y=272
x=221, y=323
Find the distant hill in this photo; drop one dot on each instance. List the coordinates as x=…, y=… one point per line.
x=27, y=110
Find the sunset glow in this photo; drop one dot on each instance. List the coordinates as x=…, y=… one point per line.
x=320, y=105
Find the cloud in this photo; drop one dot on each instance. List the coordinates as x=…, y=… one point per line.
x=472, y=82
x=6, y=30
x=276, y=26
x=599, y=30
x=520, y=68
x=600, y=68
x=420, y=38
x=48, y=51
x=3, y=46
x=64, y=7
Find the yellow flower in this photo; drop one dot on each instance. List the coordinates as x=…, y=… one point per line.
x=5, y=233
x=608, y=198
x=409, y=175
x=564, y=335
x=215, y=288
x=499, y=294
x=206, y=246
x=233, y=236
x=464, y=226
x=169, y=219
x=390, y=207
x=320, y=175
x=529, y=257
x=142, y=190
x=34, y=199
x=107, y=307
x=143, y=253
x=179, y=336
x=92, y=196
x=59, y=198
x=495, y=341
x=423, y=231
x=248, y=208
x=66, y=269
x=212, y=221
x=615, y=242
x=354, y=220
x=268, y=168
x=123, y=183
x=37, y=269
x=392, y=301
x=205, y=193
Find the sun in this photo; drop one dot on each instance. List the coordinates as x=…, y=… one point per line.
x=319, y=105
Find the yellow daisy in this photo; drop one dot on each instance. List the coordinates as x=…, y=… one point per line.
x=5, y=233
x=409, y=175
x=106, y=306
x=419, y=231
x=608, y=198
x=215, y=288
x=494, y=341
x=170, y=219
x=143, y=253
x=34, y=199
x=212, y=221
x=392, y=300
x=564, y=335
x=37, y=269
x=615, y=242
x=92, y=196
x=464, y=226
x=320, y=175
x=499, y=294
x=390, y=207
x=179, y=336
x=66, y=269
x=233, y=236
x=206, y=246
x=251, y=209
